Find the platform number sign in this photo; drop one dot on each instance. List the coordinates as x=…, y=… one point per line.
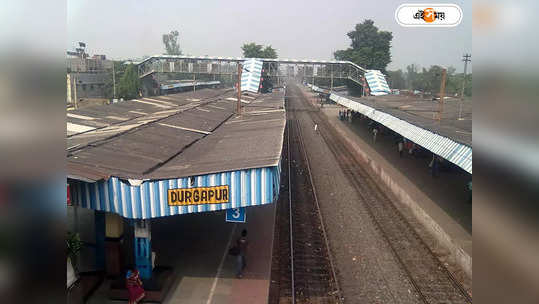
x=236, y=215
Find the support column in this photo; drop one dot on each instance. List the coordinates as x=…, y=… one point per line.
x=313, y=74
x=113, y=244
x=143, y=248
x=99, y=221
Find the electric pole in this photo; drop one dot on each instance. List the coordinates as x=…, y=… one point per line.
x=466, y=59
x=75, y=91
x=240, y=67
x=442, y=95
x=113, y=82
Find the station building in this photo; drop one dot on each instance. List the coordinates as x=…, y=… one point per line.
x=134, y=161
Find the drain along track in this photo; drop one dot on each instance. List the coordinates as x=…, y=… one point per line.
x=305, y=272
x=432, y=281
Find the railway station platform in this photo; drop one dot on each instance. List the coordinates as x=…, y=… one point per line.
x=440, y=204
x=155, y=178
x=196, y=245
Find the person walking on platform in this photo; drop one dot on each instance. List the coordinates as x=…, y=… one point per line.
x=241, y=262
x=400, y=145
x=374, y=133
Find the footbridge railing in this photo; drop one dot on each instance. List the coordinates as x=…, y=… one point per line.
x=309, y=70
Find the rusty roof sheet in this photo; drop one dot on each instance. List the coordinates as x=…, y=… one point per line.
x=198, y=132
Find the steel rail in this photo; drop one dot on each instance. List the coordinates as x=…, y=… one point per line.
x=337, y=147
x=290, y=215
x=330, y=257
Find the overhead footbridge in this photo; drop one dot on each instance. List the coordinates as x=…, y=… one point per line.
x=278, y=69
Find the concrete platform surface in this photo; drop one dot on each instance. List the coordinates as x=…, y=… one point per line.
x=196, y=245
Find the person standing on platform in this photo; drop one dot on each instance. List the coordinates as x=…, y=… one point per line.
x=400, y=145
x=316, y=128
x=434, y=167
x=241, y=261
x=133, y=283
x=374, y=133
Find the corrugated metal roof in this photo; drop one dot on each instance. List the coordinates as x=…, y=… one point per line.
x=377, y=83
x=250, y=77
x=195, y=135
x=423, y=113
x=455, y=152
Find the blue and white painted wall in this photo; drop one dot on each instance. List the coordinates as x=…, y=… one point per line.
x=249, y=187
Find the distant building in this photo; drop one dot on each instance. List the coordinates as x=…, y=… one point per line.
x=88, y=85
x=96, y=63
x=87, y=76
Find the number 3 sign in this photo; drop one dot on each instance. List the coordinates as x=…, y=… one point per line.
x=236, y=215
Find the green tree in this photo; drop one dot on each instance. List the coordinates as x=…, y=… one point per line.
x=253, y=50
x=119, y=70
x=370, y=47
x=129, y=85
x=269, y=52
x=412, y=76
x=172, y=43
x=429, y=80
x=396, y=79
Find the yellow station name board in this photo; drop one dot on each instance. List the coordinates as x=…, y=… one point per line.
x=198, y=196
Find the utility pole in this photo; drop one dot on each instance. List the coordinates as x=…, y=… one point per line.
x=75, y=91
x=238, y=110
x=466, y=59
x=313, y=74
x=113, y=82
x=442, y=95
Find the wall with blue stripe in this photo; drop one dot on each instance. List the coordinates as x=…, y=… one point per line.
x=250, y=187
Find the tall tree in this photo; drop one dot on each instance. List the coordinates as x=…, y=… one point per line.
x=396, y=79
x=412, y=76
x=269, y=52
x=172, y=43
x=370, y=47
x=253, y=50
x=119, y=71
x=429, y=80
x=129, y=85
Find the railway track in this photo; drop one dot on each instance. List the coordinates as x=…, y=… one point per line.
x=304, y=272
x=432, y=281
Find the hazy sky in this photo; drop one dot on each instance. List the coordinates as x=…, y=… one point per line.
x=297, y=29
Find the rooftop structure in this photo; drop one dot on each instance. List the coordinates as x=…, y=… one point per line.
x=124, y=157
x=417, y=120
